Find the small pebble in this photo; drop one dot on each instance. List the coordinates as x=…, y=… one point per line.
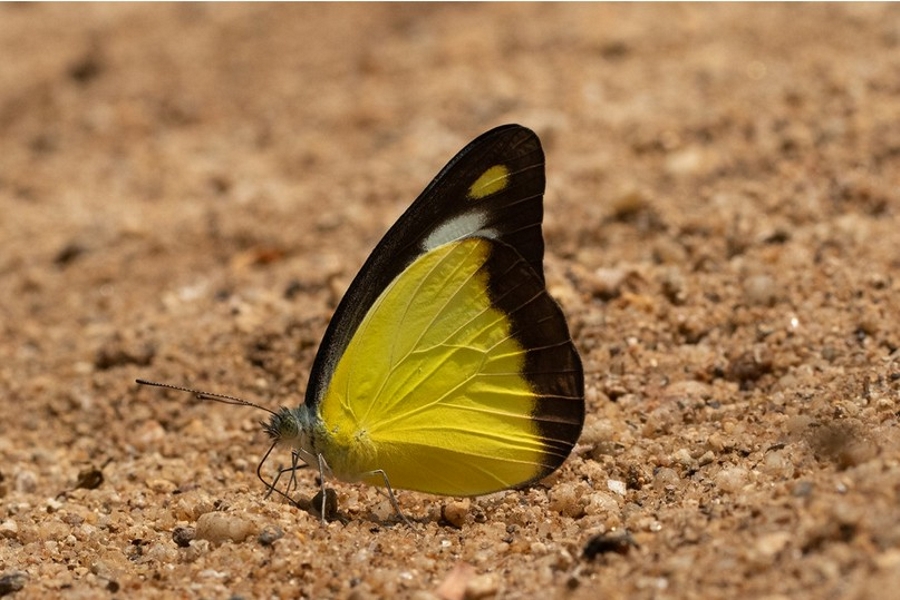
x=732, y=479
x=770, y=544
x=269, y=535
x=455, y=584
x=600, y=503
x=12, y=582
x=455, y=512
x=182, y=536
x=162, y=486
x=89, y=479
x=777, y=464
x=760, y=290
x=481, y=586
x=607, y=283
x=616, y=486
x=686, y=162
x=619, y=542
x=629, y=202
x=568, y=499
x=218, y=527
x=9, y=529
x=26, y=482
x=684, y=458
x=665, y=477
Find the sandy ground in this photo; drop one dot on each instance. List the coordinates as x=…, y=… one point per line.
x=187, y=190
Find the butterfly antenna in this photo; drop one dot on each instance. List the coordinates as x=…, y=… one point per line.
x=271, y=486
x=205, y=395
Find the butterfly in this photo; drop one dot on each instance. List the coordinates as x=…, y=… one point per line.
x=447, y=368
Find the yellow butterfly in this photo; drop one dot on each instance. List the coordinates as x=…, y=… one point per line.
x=447, y=367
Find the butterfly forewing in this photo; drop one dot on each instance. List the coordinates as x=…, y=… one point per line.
x=448, y=209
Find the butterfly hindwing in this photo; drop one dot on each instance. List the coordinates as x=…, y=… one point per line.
x=552, y=365
x=439, y=389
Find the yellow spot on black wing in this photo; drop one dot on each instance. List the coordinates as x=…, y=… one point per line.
x=491, y=181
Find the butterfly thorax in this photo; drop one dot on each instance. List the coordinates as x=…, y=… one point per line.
x=348, y=448
x=347, y=453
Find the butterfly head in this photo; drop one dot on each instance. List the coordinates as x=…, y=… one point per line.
x=291, y=427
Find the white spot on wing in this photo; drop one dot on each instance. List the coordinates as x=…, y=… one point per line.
x=465, y=225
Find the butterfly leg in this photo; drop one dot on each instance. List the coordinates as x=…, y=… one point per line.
x=272, y=486
x=295, y=458
x=390, y=491
x=323, y=508
x=292, y=483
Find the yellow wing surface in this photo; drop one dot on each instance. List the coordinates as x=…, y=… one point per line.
x=434, y=387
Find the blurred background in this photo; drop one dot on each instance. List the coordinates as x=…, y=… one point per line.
x=186, y=190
